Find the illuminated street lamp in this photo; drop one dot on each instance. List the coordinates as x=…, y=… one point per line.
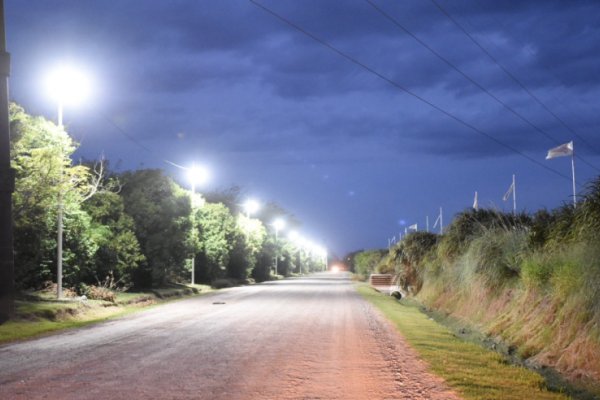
x=196, y=175
x=278, y=224
x=66, y=85
x=251, y=206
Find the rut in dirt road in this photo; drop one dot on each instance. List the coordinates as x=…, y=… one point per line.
x=310, y=338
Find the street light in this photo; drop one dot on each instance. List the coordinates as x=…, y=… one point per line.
x=278, y=224
x=251, y=206
x=196, y=175
x=297, y=240
x=66, y=85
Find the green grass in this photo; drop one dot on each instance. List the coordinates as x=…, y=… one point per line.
x=473, y=371
x=39, y=314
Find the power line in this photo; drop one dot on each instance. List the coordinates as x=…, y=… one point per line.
x=469, y=78
x=402, y=88
x=513, y=77
x=137, y=142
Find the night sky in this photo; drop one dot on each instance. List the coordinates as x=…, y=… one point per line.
x=359, y=117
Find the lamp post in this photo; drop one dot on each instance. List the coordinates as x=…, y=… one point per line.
x=278, y=224
x=7, y=185
x=66, y=85
x=196, y=175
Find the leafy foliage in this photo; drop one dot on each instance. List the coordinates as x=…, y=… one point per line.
x=216, y=230
x=44, y=177
x=135, y=229
x=119, y=254
x=160, y=210
x=366, y=262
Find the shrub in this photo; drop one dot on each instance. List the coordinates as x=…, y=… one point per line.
x=366, y=262
x=96, y=292
x=409, y=255
x=496, y=256
x=471, y=224
x=222, y=283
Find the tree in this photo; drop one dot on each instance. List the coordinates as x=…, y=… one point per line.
x=40, y=153
x=119, y=254
x=248, y=240
x=160, y=210
x=216, y=231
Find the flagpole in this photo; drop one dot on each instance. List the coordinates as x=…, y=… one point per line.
x=441, y=222
x=427, y=222
x=573, y=172
x=514, y=196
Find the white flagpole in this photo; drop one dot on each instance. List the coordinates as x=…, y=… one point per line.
x=441, y=222
x=514, y=196
x=573, y=171
x=427, y=222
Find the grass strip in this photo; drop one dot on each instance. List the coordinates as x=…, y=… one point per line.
x=473, y=371
x=43, y=316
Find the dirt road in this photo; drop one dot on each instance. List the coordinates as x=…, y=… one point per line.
x=310, y=338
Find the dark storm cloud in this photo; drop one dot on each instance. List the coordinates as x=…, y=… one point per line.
x=228, y=81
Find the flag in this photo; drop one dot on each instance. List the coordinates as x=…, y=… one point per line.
x=413, y=227
x=561, y=151
x=509, y=192
x=475, y=202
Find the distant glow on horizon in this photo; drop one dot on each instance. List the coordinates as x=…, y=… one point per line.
x=68, y=84
x=335, y=268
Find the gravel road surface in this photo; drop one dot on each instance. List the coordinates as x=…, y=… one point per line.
x=309, y=338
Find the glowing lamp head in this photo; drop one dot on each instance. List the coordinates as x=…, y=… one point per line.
x=279, y=224
x=251, y=206
x=197, y=175
x=294, y=236
x=68, y=85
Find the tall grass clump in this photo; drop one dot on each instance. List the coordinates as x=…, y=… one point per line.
x=408, y=257
x=495, y=257
x=532, y=280
x=471, y=224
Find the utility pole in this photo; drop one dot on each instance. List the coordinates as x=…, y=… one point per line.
x=7, y=186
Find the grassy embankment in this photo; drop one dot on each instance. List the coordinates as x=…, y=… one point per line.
x=529, y=281
x=474, y=372
x=39, y=313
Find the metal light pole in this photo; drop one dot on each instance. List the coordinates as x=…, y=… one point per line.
x=195, y=175
x=59, y=238
x=278, y=224
x=7, y=185
x=66, y=85
x=194, y=254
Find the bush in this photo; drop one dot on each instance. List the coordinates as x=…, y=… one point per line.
x=222, y=283
x=96, y=292
x=366, y=262
x=471, y=224
x=496, y=256
x=409, y=255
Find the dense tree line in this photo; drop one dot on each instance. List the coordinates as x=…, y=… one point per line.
x=133, y=229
